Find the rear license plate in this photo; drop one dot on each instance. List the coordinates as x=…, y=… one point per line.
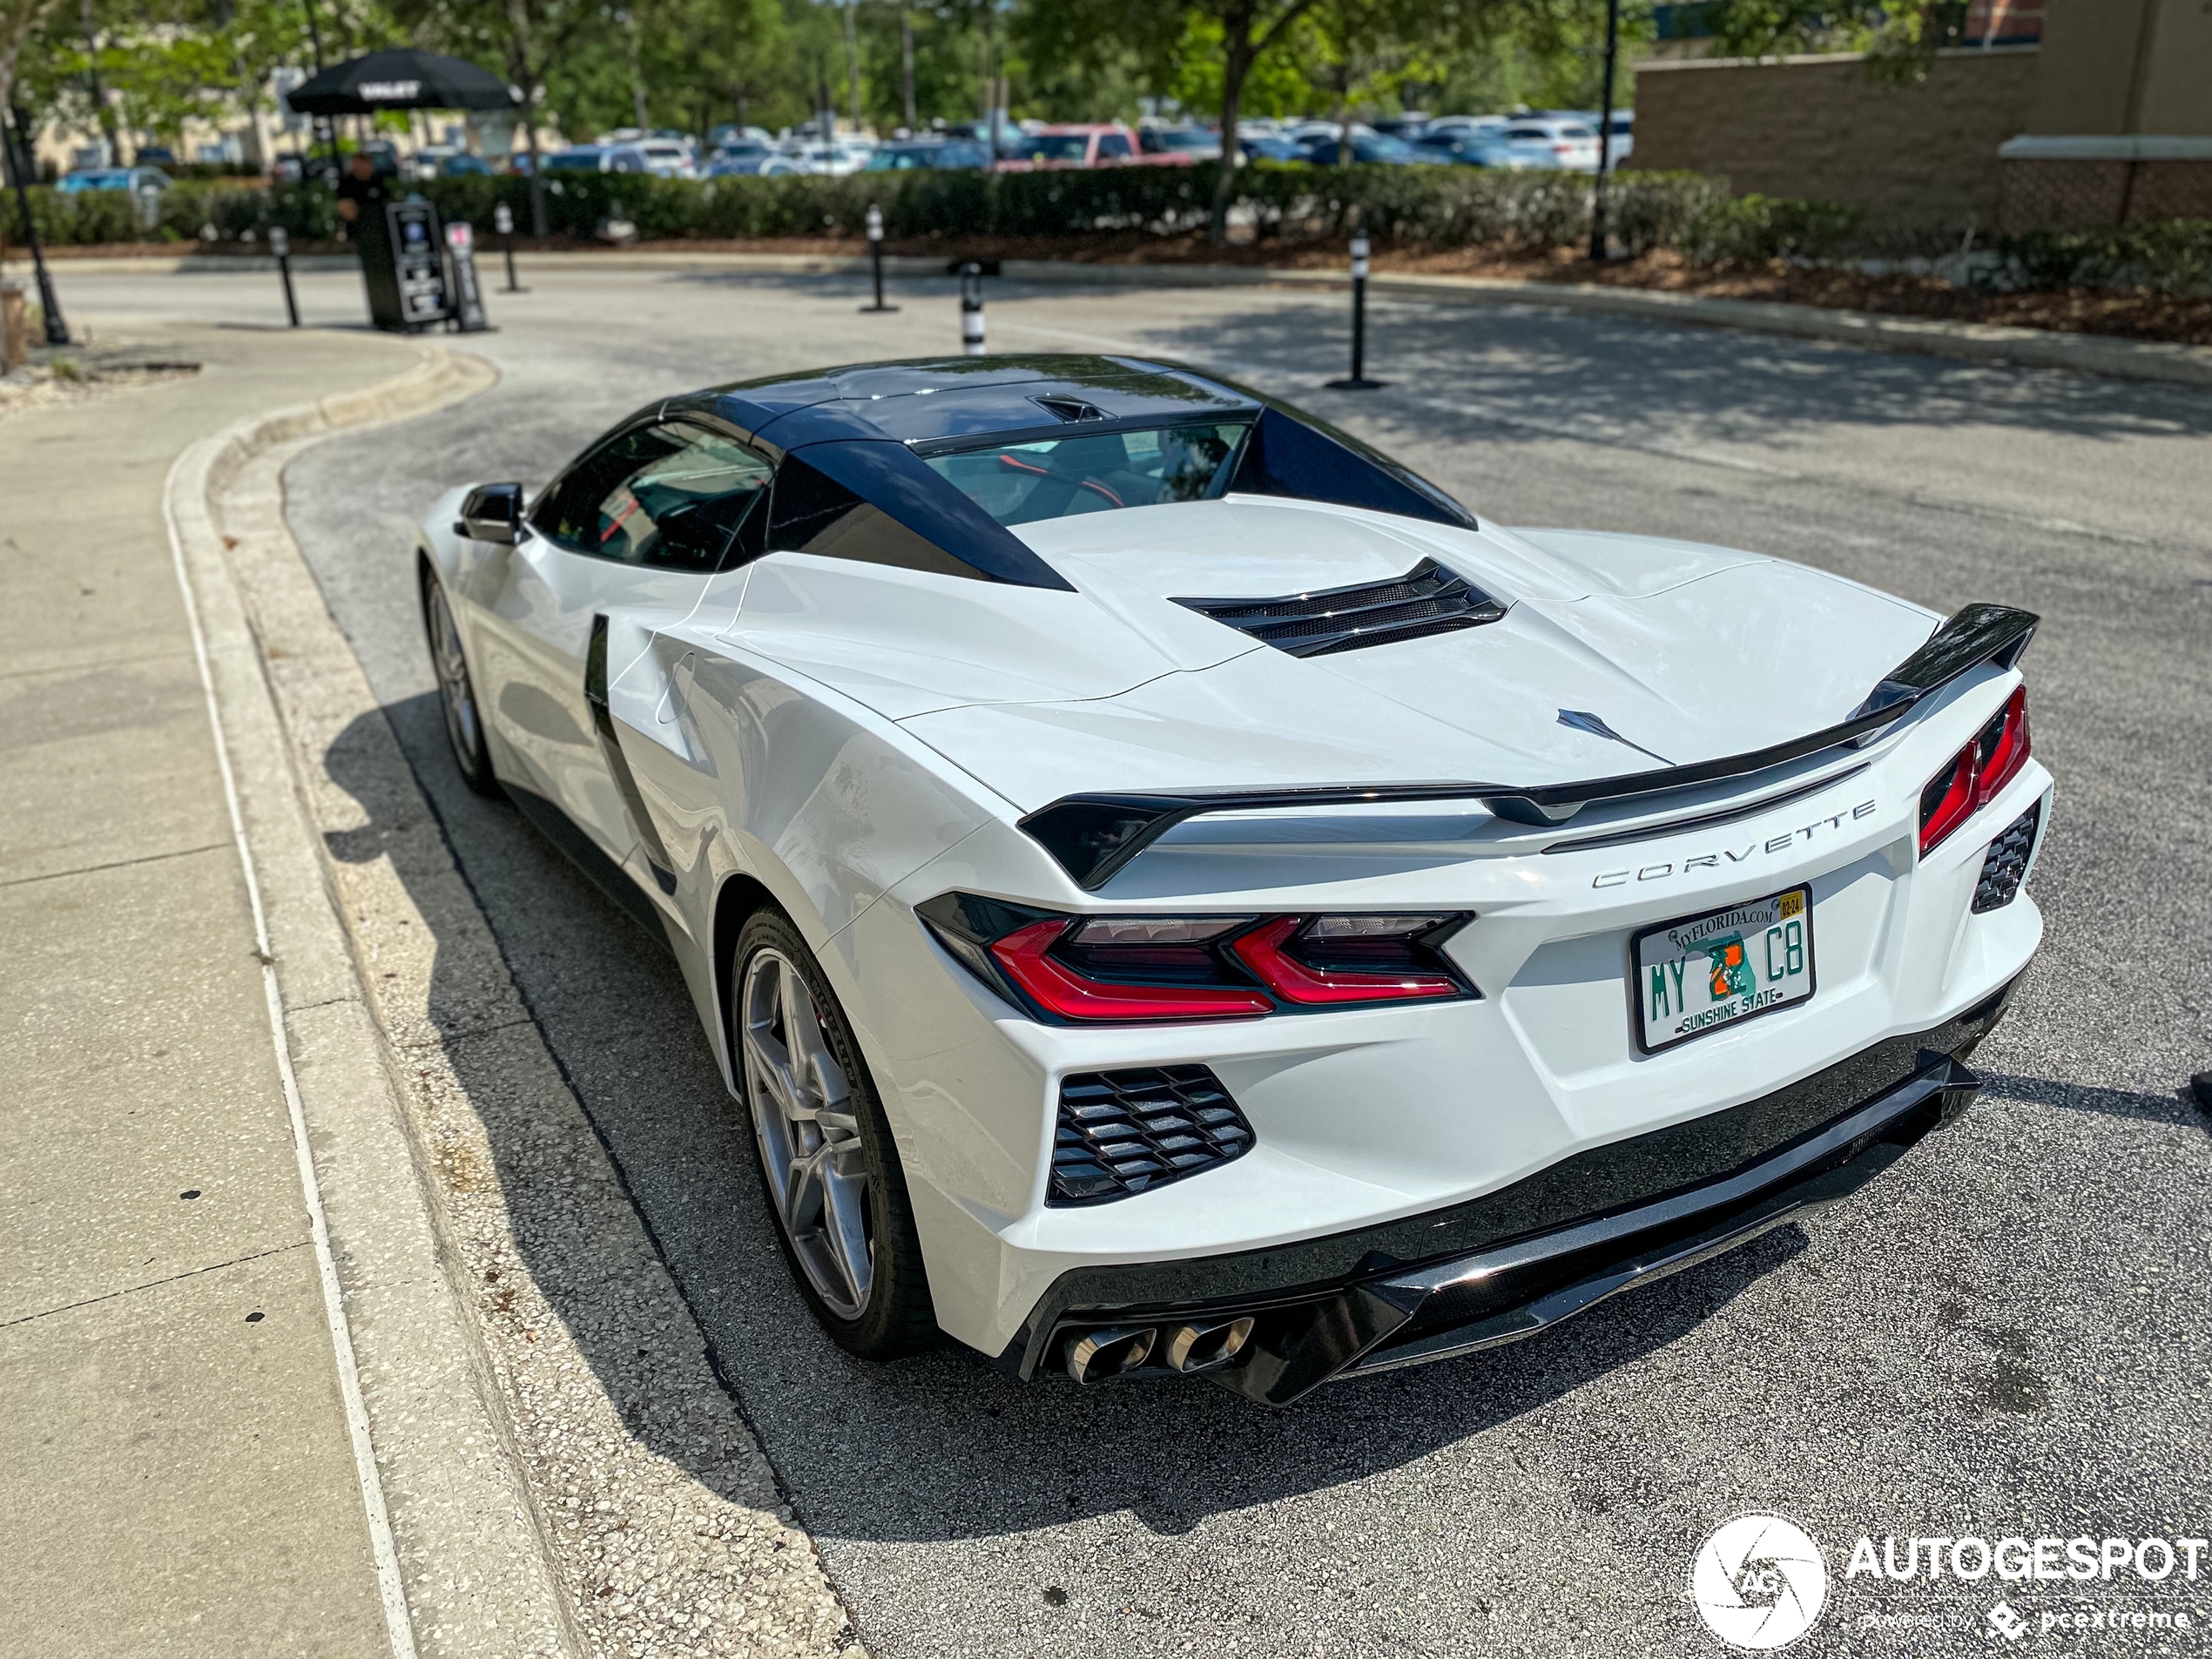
x=1705, y=972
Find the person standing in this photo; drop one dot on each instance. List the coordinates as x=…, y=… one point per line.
x=363, y=193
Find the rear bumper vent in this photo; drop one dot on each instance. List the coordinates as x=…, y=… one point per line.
x=2005, y=864
x=1427, y=599
x=1125, y=1132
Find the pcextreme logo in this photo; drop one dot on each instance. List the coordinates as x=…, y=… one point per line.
x=1759, y=1582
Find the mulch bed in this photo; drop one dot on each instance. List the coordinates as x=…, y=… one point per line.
x=2124, y=313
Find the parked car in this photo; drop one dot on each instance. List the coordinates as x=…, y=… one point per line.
x=1464, y=124
x=1194, y=142
x=582, y=158
x=1095, y=983
x=663, y=158
x=133, y=179
x=1375, y=148
x=838, y=159
x=1409, y=127
x=1261, y=146
x=927, y=154
x=1623, y=129
x=1484, y=147
x=738, y=157
x=1075, y=144
x=1569, y=143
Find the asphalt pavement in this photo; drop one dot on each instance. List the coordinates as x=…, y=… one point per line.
x=2006, y=1335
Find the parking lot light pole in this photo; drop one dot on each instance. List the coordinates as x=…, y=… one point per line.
x=1598, y=249
x=280, y=245
x=875, y=256
x=19, y=163
x=1358, y=380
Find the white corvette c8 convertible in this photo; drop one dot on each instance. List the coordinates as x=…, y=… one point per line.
x=1175, y=891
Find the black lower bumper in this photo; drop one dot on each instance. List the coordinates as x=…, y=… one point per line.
x=1552, y=1245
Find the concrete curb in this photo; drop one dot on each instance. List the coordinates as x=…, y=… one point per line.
x=2139, y=359
x=470, y=1558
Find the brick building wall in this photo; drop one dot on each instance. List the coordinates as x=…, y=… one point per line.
x=1920, y=156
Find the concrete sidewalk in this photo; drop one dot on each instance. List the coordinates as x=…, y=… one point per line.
x=179, y=1472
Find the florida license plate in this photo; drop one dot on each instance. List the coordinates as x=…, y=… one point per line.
x=1705, y=973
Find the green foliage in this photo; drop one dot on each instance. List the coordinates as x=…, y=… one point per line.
x=1770, y=227
x=2172, y=256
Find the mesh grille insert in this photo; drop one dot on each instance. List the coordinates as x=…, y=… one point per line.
x=1427, y=599
x=2005, y=864
x=1125, y=1132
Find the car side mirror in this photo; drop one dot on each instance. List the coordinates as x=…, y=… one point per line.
x=493, y=513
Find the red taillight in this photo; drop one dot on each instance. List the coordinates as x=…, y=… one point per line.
x=1261, y=950
x=2001, y=749
x=1057, y=989
x=1976, y=773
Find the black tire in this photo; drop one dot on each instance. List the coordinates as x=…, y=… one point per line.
x=456, y=691
x=807, y=1164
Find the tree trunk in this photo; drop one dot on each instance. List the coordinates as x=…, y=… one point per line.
x=1237, y=63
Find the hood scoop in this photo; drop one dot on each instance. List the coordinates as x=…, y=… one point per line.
x=1427, y=599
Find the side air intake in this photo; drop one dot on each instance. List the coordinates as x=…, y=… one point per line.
x=1427, y=599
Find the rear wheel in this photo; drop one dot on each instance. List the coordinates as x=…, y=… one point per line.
x=456, y=691
x=828, y=1161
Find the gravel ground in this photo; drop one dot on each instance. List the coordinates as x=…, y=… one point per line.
x=2007, y=1335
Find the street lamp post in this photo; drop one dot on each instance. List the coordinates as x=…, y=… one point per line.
x=19, y=163
x=1598, y=249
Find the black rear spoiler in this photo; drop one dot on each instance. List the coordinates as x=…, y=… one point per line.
x=1092, y=837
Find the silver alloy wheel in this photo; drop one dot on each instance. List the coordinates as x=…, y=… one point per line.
x=455, y=694
x=809, y=1135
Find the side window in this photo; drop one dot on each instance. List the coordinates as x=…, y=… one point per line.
x=674, y=497
x=1112, y=145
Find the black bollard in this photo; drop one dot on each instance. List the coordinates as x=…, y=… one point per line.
x=502, y=220
x=1357, y=381
x=875, y=256
x=971, y=309
x=280, y=245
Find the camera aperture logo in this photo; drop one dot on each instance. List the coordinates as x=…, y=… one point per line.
x=1759, y=1582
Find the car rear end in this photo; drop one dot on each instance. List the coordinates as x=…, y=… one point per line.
x=1308, y=1095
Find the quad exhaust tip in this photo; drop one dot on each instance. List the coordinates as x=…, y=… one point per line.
x=1111, y=1351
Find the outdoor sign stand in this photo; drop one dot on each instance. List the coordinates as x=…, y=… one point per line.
x=280, y=245
x=875, y=256
x=971, y=274
x=1359, y=380
x=466, y=312
x=56, y=330
x=407, y=273
x=502, y=220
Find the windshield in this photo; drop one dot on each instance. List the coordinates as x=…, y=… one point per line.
x=1048, y=146
x=1019, y=483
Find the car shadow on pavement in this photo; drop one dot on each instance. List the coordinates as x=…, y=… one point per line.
x=939, y=1446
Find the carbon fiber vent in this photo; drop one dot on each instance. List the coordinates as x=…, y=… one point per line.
x=1427, y=599
x=2005, y=867
x=1125, y=1132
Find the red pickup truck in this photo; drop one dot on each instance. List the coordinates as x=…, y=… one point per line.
x=1079, y=144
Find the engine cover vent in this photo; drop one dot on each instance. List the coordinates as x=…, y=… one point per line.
x=1427, y=599
x=1125, y=1132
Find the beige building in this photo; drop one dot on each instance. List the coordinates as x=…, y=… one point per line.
x=2106, y=119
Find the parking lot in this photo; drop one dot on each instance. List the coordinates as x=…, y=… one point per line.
x=2007, y=1335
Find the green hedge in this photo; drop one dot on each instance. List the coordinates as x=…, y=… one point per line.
x=1424, y=206
x=1441, y=206
x=2173, y=255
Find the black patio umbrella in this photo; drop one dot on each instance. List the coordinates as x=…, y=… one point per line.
x=399, y=78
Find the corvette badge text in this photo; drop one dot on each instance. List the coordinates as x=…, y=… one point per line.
x=1760, y=1582
x=1731, y=856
